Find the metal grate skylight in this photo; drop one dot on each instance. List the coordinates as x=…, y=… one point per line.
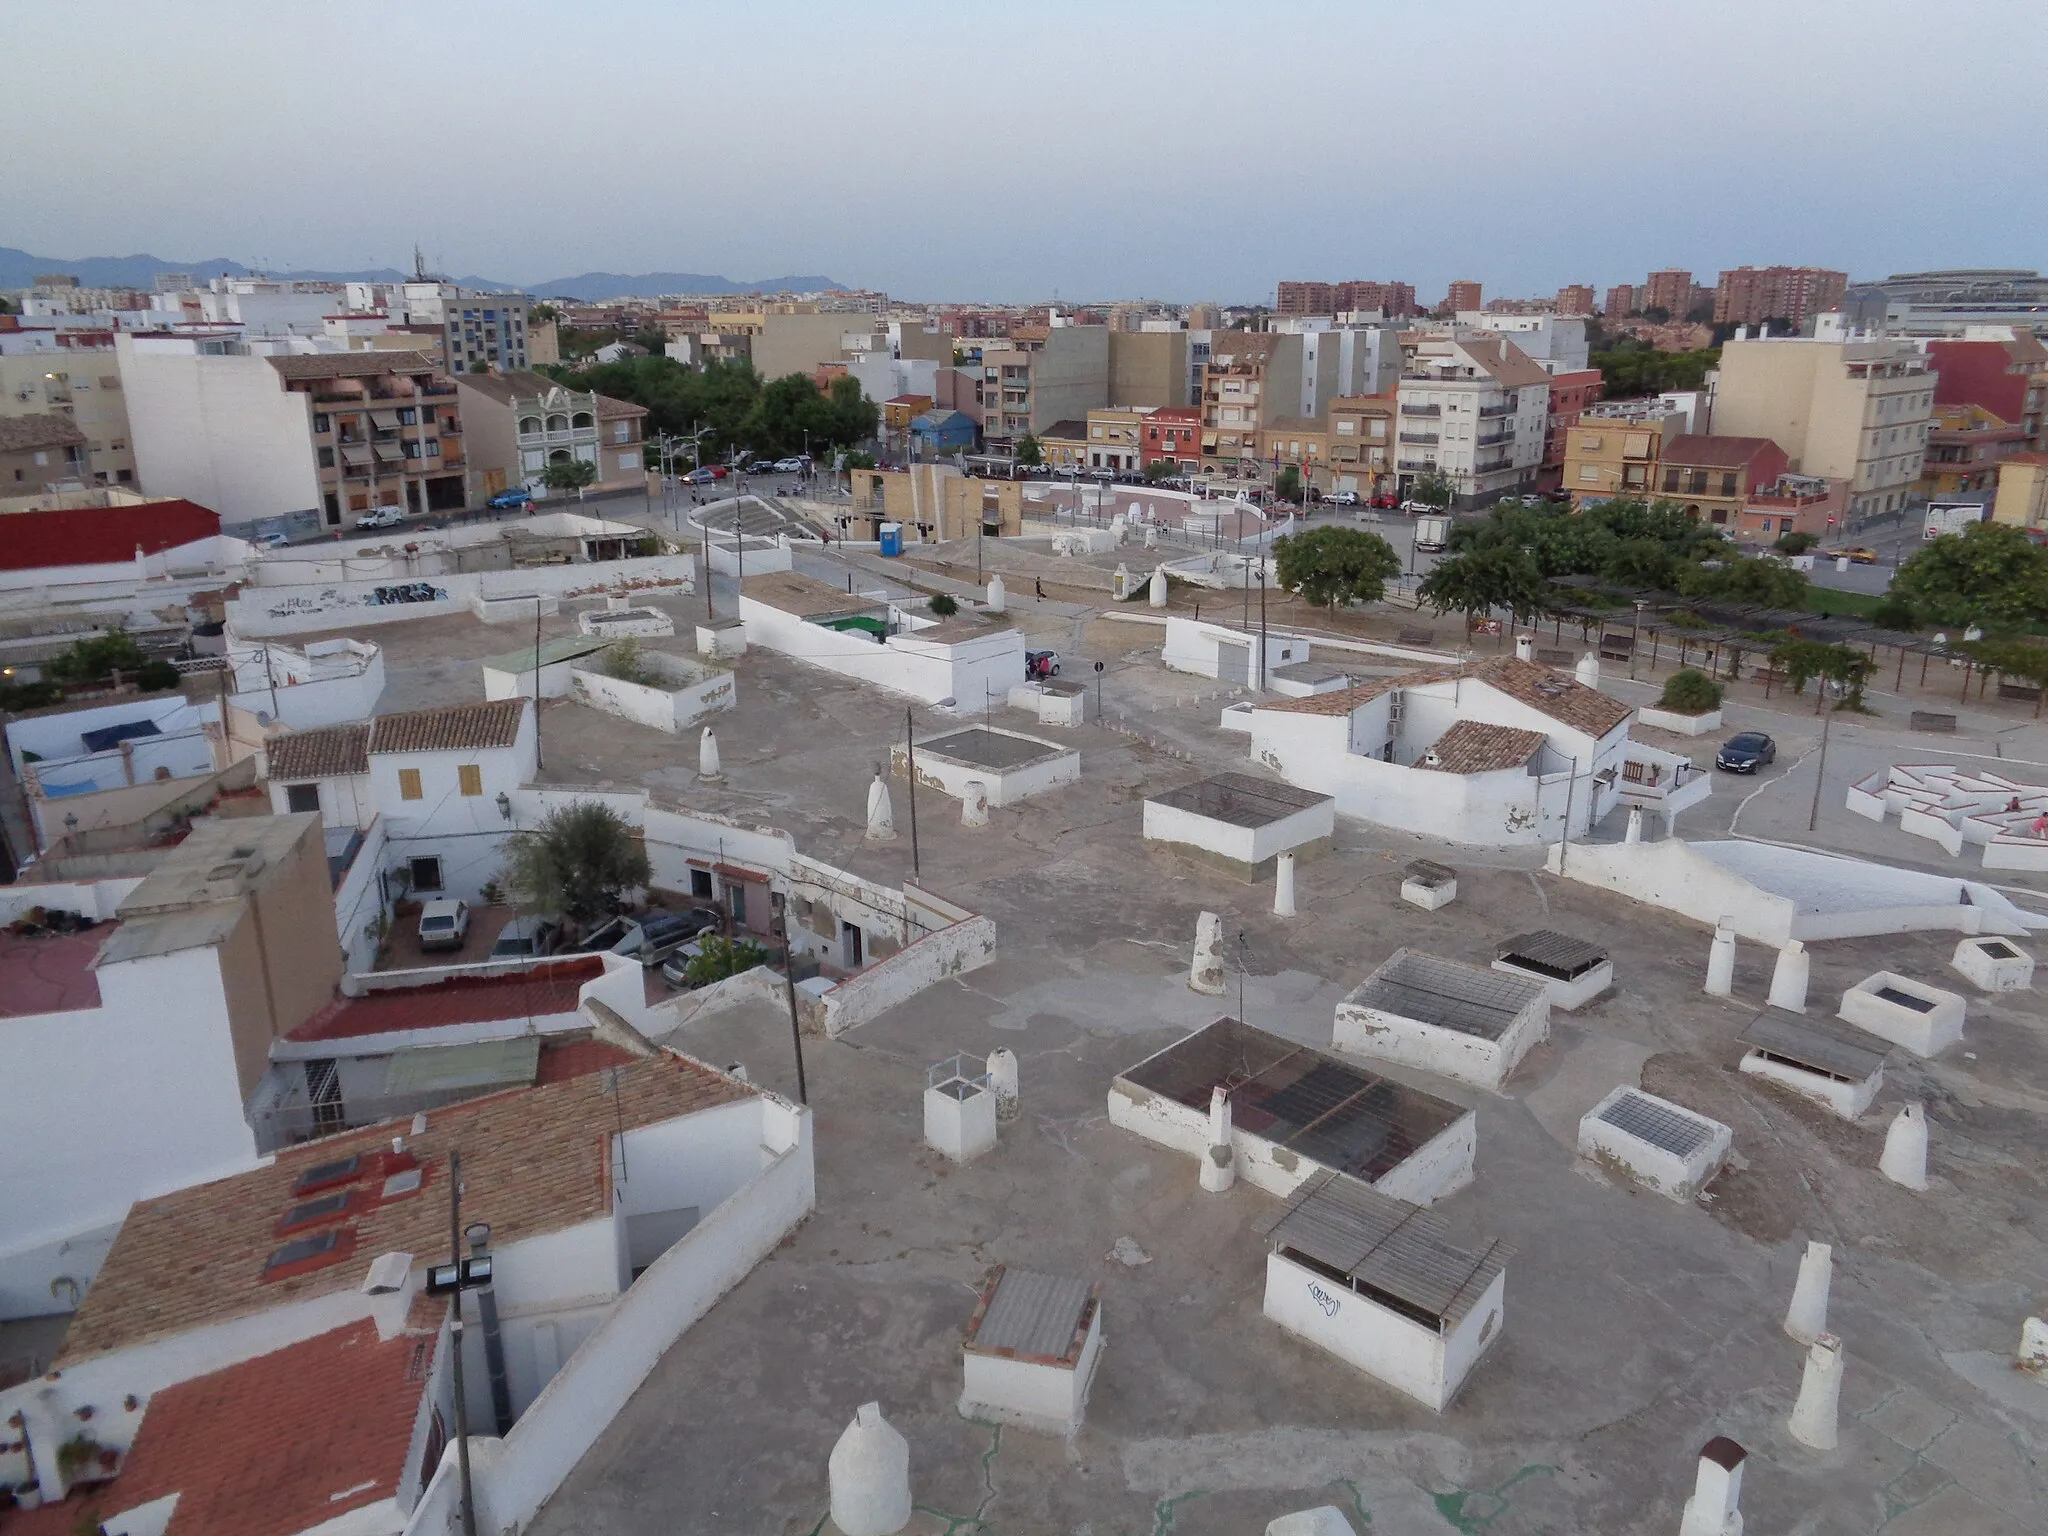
x=1657, y=1124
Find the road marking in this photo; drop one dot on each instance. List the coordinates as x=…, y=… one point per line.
x=1743, y=805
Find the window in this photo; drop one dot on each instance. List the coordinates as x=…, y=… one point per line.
x=627, y=463
x=302, y=797
x=409, y=785
x=327, y=458
x=622, y=432
x=407, y=416
x=1589, y=474
x=1728, y=483
x=426, y=874
x=320, y=421
x=470, y=778
x=700, y=884
x=736, y=892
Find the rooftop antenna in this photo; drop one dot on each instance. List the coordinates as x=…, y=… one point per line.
x=419, y=263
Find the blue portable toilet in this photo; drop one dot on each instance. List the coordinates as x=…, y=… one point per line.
x=892, y=538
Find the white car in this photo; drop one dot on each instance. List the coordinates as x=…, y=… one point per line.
x=790, y=466
x=1342, y=498
x=444, y=924
x=380, y=517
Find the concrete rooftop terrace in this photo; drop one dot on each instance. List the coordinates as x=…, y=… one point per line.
x=1636, y=1329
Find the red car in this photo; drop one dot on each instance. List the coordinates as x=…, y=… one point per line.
x=1386, y=500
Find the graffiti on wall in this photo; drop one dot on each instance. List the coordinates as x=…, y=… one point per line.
x=406, y=592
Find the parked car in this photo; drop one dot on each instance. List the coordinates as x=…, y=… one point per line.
x=1858, y=555
x=1041, y=664
x=380, y=517
x=1386, y=501
x=1343, y=499
x=619, y=936
x=444, y=924
x=1416, y=508
x=663, y=933
x=519, y=496
x=526, y=936
x=795, y=465
x=1746, y=752
x=272, y=540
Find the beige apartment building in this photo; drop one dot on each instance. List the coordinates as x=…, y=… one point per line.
x=1047, y=374
x=1250, y=379
x=1114, y=437
x=1148, y=367
x=1613, y=449
x=2022, y=491
x=519, y=423
x=84, y=386
x=1361, y=443
x=1858, y=411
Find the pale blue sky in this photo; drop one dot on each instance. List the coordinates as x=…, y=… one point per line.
x=1179, y=148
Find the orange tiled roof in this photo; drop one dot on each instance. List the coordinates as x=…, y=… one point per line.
x=1473, y=746
x=455, y=728
x=533, y=1161
x=1342, y=701
x=1557, y=694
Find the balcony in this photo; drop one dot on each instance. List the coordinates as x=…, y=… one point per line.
x=1488, y=439
x=1421, y=466
x=1489, y=466
x=1422, y=410
x=1505, y=408
x=1420, y=437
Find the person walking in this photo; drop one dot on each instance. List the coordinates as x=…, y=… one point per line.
x=1038, y=587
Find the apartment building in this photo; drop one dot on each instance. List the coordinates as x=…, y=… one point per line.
x=2022, y=491
x=1669, y=290
x=1473, y=408
x=1752, y=295
x=2007, y=376
x=1361, y=443
x=1394, y=300
x=1793, y=504
x=1849, y=410
x=484, y=332
x=1620, y=301
x=1575, y=299
x=1614, y=448
x=1116, y=438
x=519, y=423
x=84, y=386
x=253, y=428
x=1304, y=443
x=1556, y=342
x=1047, y=374
x=40, y=453
x=1712, y=478
x=1572, y=394
x=1965, y=445
x=1464, y=294
x=1299, y=298
x=1251, y=379
x=1172, y=433
x=1149, y=367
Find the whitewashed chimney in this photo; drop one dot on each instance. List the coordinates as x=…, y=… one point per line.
x=1905, y=1148
x=1721, y=960
x=1002, y=1080
x=1820, y=1395
x=1789, y=977
x=1283, y=885
x=1206, y=974
x=869, y=1473
x=1807, y=1318
x=1716, y=1491
x=707, y=755
x=881, y=819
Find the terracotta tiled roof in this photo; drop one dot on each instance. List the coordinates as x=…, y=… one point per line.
x=535, y=992
x=609, y=409
x=1472, y=746
x=351, y=365
x=533, y=1161
x=1558, y=694
x=19, y=434
x=1511, y=367
x=328, y=752
x=1713, y=452
x=455, y=728
x=278, y=1444
x=1342, y=701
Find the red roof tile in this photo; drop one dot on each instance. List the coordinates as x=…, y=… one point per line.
x=271, y=1446
x=38, y=541
x=576, y=1058
x=1473, y=746
x=540, y=990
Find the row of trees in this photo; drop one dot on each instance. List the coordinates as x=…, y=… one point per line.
x=735, y=406
x=1632, y=367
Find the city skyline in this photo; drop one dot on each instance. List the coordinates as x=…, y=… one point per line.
x=1529, y=165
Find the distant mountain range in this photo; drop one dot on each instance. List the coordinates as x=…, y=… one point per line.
x=19, y=269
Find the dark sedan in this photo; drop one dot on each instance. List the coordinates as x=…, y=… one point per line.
x=1745, y=753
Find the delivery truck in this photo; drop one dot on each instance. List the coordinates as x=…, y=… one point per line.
x=1432, y=531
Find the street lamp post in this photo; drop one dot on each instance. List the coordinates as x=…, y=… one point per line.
x=1634, y=638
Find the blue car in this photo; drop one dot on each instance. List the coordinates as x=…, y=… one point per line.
x=515, y=498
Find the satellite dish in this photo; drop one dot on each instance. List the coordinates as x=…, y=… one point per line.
x=263, y=717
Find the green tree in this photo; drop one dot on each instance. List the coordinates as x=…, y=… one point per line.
x=1646, y=563
x=543, y=313
x=720, y=957
x=1161, y=469
x=944, y=604
x=96, y=658
x=569, y=475
x=1801, y=660
x=1434, y=489
x=1795, y=543
x=1690, y=691
x=1892, y=613
x=652, y=341
x=1287, y=484
x=1631, y=367
x=1990, y=574
x=1029, y=454
x=1330, y=565
x=1733, y=578
x=1475, y=584
x=578, y=864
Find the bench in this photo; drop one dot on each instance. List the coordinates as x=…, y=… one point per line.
x=1925, y=720
x=1552, y=658
x=1421, y=637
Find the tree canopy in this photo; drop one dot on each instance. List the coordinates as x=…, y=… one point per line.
x=1434, y=489
x=1496, y=576
x=579, y=863
x=1326, y=566
x=1990, y=574
x=1631, y=367
x=734, y=404
x=568, y=474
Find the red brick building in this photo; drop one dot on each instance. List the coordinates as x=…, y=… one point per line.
x=1570, y=394
x=1575, y=299
x=1752, y=295
x=1465, y=294
x=2007, y=378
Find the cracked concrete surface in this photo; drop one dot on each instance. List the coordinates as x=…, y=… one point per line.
x=1636, y=1328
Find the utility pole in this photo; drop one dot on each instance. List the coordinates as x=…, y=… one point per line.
x=536, y=681
x=1262, y=623
x=910, y=760
x=796, y=1033
x=1820, y=772
x=455, y=1337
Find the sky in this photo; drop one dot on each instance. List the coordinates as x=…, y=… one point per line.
x=1177, y=149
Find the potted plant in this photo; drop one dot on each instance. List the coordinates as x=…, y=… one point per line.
x=1690, y=704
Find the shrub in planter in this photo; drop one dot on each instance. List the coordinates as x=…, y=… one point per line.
x=944, y=604
x=1690, y=691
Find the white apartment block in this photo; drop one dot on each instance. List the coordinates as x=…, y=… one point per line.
x=1555, y=342
x=1473, y=409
